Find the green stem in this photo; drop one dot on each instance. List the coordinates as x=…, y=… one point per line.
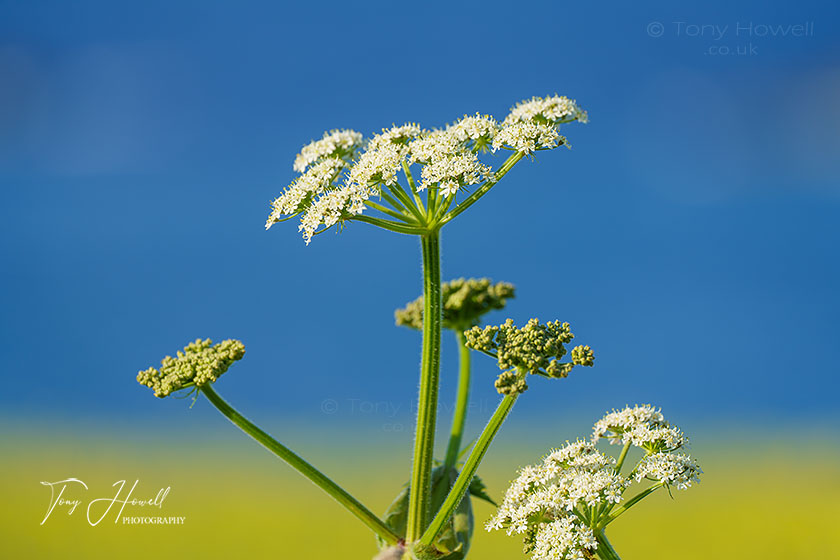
x=622, y=457
x=399, y=207
x=630, y=503
x=413, y=187
x=424, y=435
x=389, y=225
x=397, y=190
x=317, y=477
x=483, y=189
x=392, y=213
x=462, y=483
x=605, y=550
x=459, y=417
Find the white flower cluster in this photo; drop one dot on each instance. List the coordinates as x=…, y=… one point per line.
x=528, y=137
x=642, y=426
x=335, y=143
x=447, y=158
x=532, y=124
x=336, y=181
x=545, y=500
x=314, y=182
x=478, y=130
x=377, y=165
x=562, y=505
x=563, y=538
x=676, y=470
x=554, y=110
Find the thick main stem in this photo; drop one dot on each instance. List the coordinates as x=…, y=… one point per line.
x=459, y=416
x=424, y=436
x=299, y=464
x=605, y=551
x=462, y=483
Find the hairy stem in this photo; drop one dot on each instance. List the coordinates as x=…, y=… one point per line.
x=459, y=417
x=424, y=435
x=389, y=225
x=462, y=483
x=605, y=550
x=631, y=502
x=622, y=457
x=299, y=464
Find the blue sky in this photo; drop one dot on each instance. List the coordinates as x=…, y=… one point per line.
x=690, y=235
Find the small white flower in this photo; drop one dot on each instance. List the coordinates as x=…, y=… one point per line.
x=575, y=475
x=672, y=469
x=659, y=439
x=335, y=143
x=616, y=424
x=377, y=166
x=527, y=137
x=554, y=109
x=480, y=129
x=433, y=146
x=315, y=181
x=447, y=162
x=563, y=539
x=395, y=135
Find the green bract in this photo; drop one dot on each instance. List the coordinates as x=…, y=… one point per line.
x=197, y=364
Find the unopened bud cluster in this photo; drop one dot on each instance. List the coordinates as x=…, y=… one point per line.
x=464, y=303
x=535, y=348
x=200, y=362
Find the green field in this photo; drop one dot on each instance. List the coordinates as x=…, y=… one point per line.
x=238, y=501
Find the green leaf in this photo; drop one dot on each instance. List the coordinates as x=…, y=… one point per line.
x=453, y=542
x=479, y=490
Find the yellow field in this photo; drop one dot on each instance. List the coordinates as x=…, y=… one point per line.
x=240, y=502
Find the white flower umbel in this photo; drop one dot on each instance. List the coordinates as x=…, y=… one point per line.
x=476, y=132
x=676, y=470
x=563, y=538
x=554, y=109
x=343, y=176
x=528, y=137
x=614, y=425
x=335, y=143
x=641, y=426
x=299, y=194
x=562, y=506
x=377, y=166
x=569, y=481
x=447, y=163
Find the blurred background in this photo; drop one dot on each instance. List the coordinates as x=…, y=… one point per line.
x=690, y=237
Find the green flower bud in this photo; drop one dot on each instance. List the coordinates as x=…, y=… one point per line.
x=535, y=348
x=583, y=356
x=511, y=383
x=464, y=303
x=197, y=364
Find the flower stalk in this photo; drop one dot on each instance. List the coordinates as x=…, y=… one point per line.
x=424, y=439
x=459, y=417
x=302, y=466
x=605, y=550
x=462, y=483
